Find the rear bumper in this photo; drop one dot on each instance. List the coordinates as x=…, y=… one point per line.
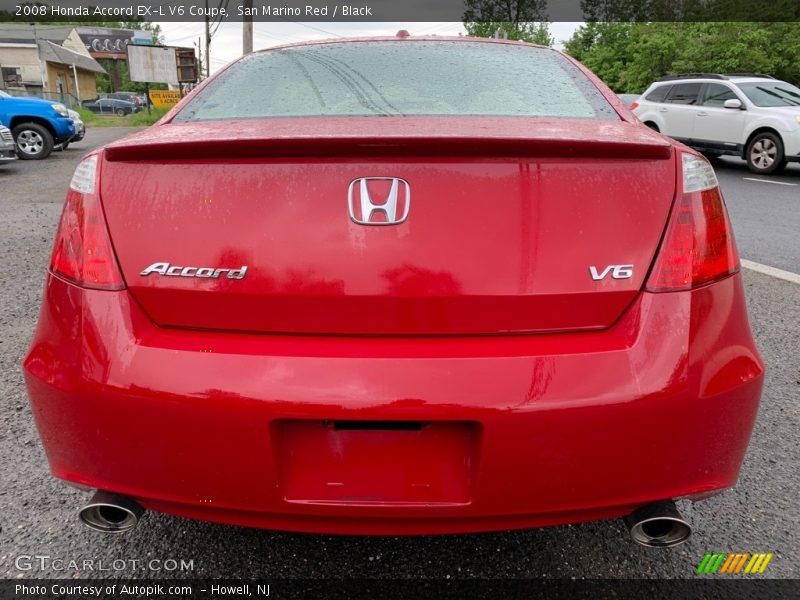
x=563, y=427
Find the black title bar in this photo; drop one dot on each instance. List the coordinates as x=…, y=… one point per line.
x=402, y=10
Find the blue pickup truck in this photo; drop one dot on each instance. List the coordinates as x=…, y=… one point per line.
x=37, y=125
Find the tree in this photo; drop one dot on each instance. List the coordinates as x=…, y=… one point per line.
x=519, y=19
x=509, y=11
x=535, y=33
x=630, y=56
x=690, y=11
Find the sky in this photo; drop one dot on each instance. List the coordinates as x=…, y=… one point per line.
x=226, y=44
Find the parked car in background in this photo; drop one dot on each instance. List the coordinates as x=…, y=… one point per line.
x=111, y=106
x=527, y=309
x=80, y=127
x=37, y=125
x=136, y=98
x=755, y=117
x=8, y=149
x=628, y=99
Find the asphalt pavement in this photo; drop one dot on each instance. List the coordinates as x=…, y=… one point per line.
x=765, y=212
x=38, y=514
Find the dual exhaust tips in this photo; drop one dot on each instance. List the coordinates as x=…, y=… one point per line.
x=658, y=525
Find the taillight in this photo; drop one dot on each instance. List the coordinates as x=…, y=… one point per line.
x=698, y=245
x=82, y=252
x=634, y=105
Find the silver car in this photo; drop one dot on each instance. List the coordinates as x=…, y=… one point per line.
x=80, y=128
x=8, y=149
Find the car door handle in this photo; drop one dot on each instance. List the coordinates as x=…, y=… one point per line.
x=702, y=114
x=662, y=110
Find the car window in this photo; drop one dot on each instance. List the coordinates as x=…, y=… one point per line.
x=775, y=93
x=387, y=78
x=684, y=93
x=715, y=95
x=659, y=94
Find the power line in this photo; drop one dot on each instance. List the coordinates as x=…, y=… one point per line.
x=275, y=37
x=185, y=37
x=218, y=19
x=216, y=28
x=315, y=28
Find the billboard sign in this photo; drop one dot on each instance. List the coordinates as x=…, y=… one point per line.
x=152, y=64
x=102, y=42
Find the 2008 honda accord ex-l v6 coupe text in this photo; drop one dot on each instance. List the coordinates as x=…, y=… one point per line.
x=396, y=286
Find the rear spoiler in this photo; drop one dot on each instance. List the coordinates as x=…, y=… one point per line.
x=378, y=137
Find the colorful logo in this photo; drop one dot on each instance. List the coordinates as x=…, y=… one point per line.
x=718, y=563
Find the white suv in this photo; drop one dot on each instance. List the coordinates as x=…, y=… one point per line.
x=755, y=117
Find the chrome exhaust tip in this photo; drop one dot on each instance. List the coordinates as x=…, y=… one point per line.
x=111, y=513
x=658, y=525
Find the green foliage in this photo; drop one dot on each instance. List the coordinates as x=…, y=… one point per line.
x=630, y=56
x=87, y=116
x=510, y=11
x=139, y=119
x=126, y=85
x=690, y=11
x=536, y=33
x=146, y=118
x=520, y=19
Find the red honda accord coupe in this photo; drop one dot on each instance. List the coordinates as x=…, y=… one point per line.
x=396, y=286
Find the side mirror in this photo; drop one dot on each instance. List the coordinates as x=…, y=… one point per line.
x=733, y=103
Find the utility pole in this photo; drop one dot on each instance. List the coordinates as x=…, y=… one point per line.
x=199, y=46
x=41, y=62
x=247, y=27
x=77, y=85
x=208, y=44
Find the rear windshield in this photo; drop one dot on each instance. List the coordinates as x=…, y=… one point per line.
x=771, y=94
x=401, y=78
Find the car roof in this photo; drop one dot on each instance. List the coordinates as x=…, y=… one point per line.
x=714, y=78
x=753, y=79
x=404, y=39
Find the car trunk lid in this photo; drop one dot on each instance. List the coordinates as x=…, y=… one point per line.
x=513, y=225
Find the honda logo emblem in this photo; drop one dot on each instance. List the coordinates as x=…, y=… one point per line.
x=379, y=200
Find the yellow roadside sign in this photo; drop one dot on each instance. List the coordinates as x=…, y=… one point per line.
x=164, y=98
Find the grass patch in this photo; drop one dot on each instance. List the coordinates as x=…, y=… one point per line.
x=145, y=118
x=140, y=119
x=87, y=116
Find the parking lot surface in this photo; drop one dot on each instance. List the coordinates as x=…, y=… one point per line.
x=764, y=212
x=38, y=514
